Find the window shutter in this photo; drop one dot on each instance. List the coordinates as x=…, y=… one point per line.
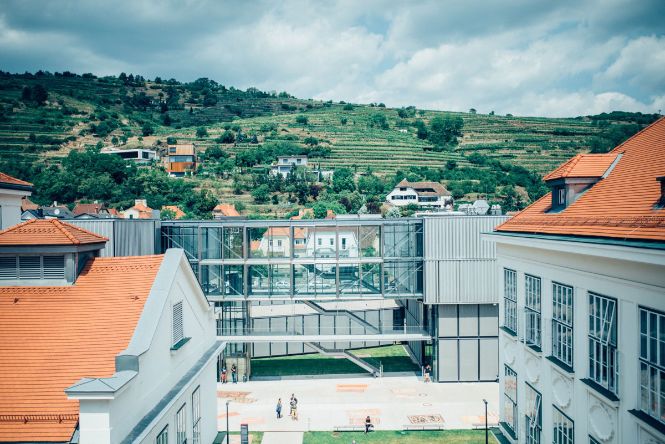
x=8, y=269
x=54, y=267
x=30, y=267
x=178, y=327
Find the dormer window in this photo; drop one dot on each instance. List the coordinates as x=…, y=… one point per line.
x=661, y=199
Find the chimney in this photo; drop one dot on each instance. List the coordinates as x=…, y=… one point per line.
x=661, y=199
x=141, y=202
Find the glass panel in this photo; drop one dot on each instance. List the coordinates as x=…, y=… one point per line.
x=259, y=242
x=300, y=241
x=371, y=278
x=233, y=280
x=280, y=279
x=324, y=279
x=259, y=280
x=233, y=243
x=212, y=243
x=303, y=277
x=279, y=241
x=370, y=241
x=325, y=239
x=314, y=279
x=349, y=279
x=402, y=240
x=212, y=280
x=402, y=278
x=348, y=242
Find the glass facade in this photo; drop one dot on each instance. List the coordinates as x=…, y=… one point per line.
x=324, y=259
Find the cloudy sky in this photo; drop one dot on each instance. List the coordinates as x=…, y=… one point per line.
x=525, y=57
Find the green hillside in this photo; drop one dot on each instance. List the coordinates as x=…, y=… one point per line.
x=44, y=117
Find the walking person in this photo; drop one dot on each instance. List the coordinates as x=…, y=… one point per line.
x=428, y=371
x=224, y=374
x=234, y=374
x=278, y=409
x=294, y=408
x=368, y=424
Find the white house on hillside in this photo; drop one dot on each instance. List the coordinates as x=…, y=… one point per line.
x=12, y=191
x=582, y=278
x=423, y=194
x=285, y=164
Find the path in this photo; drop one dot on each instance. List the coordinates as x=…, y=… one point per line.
x=282, y=437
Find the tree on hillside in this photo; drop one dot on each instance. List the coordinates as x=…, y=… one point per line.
x=343, y=180
x=378, y=120
x=302, y=120
x=226, y=137
x=201, y=132
x=261, y=194
x=311, y=141
x=421, y=130
x=147, y=129
x=472, y=111
x=444, y=131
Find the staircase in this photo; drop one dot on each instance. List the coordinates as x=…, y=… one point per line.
x=374, y=371
x=349, y=314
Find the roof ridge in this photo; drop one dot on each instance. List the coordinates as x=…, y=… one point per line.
x=17, y=226
x=661, y=119
x=60, y=226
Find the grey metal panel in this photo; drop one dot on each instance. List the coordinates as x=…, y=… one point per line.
x=342, y=327
x=311, y=324
x=102, y=227
x=489, y=320
x=126, y=237
x=448, y=360
x=371, y=316
x=489, y=359
x=294, y=348
x=260, y=350
x=277, y=348
x=458, y=237
x=327, y=324
x=447, y=320
x=468, y=320
x=478, y=281
x=468, y=359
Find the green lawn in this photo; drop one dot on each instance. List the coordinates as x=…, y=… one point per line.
x=256, y=437
x=395, y=437
x=393, y=357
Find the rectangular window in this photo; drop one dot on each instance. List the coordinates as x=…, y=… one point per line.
x=562, y=323
x=510, y=401
x=603, y=356
x=562, y=196
x=564, y=429
x=510, y=299
x=29, y=267
x=178, y=327
x=652, y=363
x=533, y=415
x=181, y=425
x=196, y=416
x=532, y=310
x=54, y=267
x=163, y=437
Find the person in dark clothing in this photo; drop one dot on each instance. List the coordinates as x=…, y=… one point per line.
x=278, y=409
x=234, y=373
x=368, y=424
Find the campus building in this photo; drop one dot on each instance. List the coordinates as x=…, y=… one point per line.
x=582, y=280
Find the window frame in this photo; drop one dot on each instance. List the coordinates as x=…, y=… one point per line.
x=163, y=436
x=652, y=367
x=563, y=325
x=508, y=371
x=566, y=435
x=533, y=333
x=510, y=303
x=177, y=329
x=181, y=425
x=196, y=415
x=603, y=344
x=534, y=427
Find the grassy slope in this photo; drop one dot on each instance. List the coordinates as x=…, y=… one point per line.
x=395, y=437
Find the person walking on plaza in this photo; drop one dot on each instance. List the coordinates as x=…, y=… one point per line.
x=278, y=409
x=234, y=373
x=428, y=371
x=368, y=424
x=294, y=407
x=224, y=374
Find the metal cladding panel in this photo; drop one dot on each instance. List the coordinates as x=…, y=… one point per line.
x=134, y=237
x=458, y=237
x=103, y=227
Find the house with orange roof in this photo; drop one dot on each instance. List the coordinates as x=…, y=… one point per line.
x=12, y=193
x=582, y=307
x=177, y=212
x=140, y=210
x=93, y=210
x=430, y=195
x=224, y=210
x=101, y=350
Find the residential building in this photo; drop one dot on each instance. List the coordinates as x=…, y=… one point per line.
x=101, y=350
x=181, y=160
x=582, y=278
x=423, y=194
x=27, y=204
x=177, y=212
x=54, y=211
x=224, y=210
x=140, y=210
x=12, y=193
x=138, y=155
x=285, y=164
x=94, y=210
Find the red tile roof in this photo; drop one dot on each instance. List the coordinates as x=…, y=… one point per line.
x=54, y=336
x=7, y=179
x=225, y=210
x=89, y=208
x=583, y=165
x=27, y=204
x=178, y=213
x=48, y=232
x=622, y=205
x=424, y=187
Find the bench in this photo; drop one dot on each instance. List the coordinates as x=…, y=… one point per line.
x=349, y=428
x=423, y=427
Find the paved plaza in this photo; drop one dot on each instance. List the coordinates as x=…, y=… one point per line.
x=391, y=402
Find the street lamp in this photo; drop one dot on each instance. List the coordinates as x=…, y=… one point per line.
x=486, y=430
x=227, y=422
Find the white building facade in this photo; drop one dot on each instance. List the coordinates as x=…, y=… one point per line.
x=12, y=191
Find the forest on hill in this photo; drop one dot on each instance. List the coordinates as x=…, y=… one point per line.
x=53, y=126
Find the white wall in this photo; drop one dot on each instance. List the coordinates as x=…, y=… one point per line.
x=10, y=207
x=586, y=268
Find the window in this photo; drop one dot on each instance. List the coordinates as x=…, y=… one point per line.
x=331, y=242
x=319, y=242
x=510, y=402
x=603, y=356
x=196, y=416
x=532, y=310
x=562, y=196
x=29, y=267
x=163, y=437
x=533, y=416
x=593, y=440
x=181, y=426
x=652, y=363
x=562, y=323
x=510, y=299
x=564, y=429
x=343, y=243
x=178, y=327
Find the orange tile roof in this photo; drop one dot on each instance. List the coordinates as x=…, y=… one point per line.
x=583, y=165
x=7, y=179
x=27, y=204
x=179, y=214
x=619, y=206
x=54, y=336
x=226, y=210
x=298, y=233
x=48, y=232
x=89, y=208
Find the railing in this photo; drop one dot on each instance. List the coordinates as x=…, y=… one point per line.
x=326, y=331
